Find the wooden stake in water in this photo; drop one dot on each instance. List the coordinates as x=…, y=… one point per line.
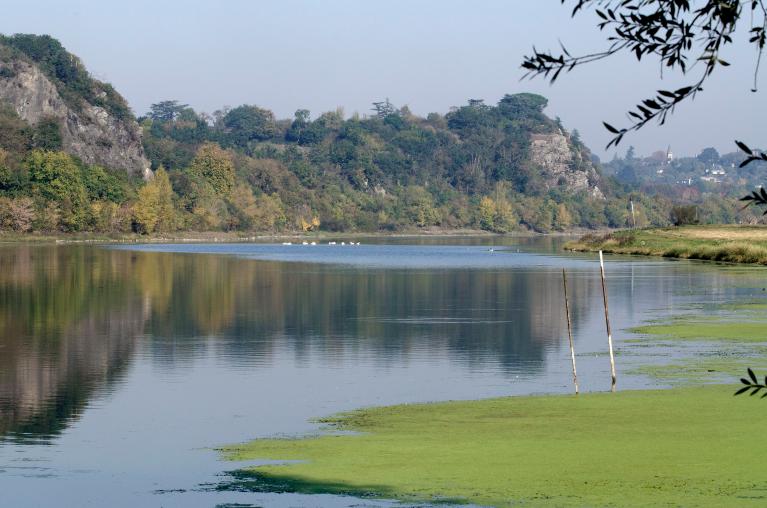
x=607, y=322
x=570, y=331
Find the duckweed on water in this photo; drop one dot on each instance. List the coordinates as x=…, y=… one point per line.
x=707, y=330
x=691, y=447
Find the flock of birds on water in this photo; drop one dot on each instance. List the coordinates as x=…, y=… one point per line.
x=315, y=243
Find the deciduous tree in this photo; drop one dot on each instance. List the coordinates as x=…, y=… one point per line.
x=214, y=166
x=56, y=176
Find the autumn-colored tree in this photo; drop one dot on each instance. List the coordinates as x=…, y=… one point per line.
x=263, y=213
x=166, y=211
x=270, y=213
x=419, y=206
x=505, y=218
x=306, y=218
x=487, y=210
x=47, y=216
x=244, y=207
x=562, y=217
x=209, y=214
x=17, y=214
x=145, y=208
x=154, y=210
x=213, y=166
x=109, y=217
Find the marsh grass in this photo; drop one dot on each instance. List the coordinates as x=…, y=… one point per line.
x=731, y=244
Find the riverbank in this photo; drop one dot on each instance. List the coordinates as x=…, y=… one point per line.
x=734, y=244
x=239, y=236
x=693, y=447
x=234, y=237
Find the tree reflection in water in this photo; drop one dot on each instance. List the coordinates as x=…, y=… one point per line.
x=73, y=317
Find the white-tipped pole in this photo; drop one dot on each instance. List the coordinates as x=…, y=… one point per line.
x=607, y=322
x=570, y=331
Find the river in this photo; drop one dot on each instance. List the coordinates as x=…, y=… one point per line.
x=122, y=367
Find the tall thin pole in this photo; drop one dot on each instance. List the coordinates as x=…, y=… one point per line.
x=633, y=216
x=570, y=331
x=607, y=322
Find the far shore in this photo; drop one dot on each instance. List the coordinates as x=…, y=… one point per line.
x=236, y=237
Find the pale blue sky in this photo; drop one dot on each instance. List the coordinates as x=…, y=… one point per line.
x=428, y=54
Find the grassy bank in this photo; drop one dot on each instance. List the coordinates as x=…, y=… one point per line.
x=736, y=244
x=690, y=447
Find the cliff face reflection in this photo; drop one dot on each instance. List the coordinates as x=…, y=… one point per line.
x=68, y=322
x=72, y=319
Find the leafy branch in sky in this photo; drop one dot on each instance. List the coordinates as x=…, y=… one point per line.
x=679, y=33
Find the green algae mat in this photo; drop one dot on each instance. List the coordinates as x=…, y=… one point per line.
x=731, y=336
x=681, y=447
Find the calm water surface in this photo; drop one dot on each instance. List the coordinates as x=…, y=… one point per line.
x=122, y=366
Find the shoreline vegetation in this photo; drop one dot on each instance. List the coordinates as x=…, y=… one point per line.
x=239, y=236
x=723, y=243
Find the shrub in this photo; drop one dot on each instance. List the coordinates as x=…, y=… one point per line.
x=683, y=215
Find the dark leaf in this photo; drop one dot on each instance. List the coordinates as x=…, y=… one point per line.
x=744, y=147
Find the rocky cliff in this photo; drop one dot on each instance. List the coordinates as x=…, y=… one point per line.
x=88, y=131
x=561, y=163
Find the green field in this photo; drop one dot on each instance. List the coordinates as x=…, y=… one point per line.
x=682, y=447
x=735, y=244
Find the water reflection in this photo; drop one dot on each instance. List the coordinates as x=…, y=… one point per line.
x=68, y=323
x=71, y=319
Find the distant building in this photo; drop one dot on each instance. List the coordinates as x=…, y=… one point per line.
x=669, y=155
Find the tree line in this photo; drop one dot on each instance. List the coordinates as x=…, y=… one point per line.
x=242, y=169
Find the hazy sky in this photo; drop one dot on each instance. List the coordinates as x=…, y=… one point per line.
x=428, y=54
